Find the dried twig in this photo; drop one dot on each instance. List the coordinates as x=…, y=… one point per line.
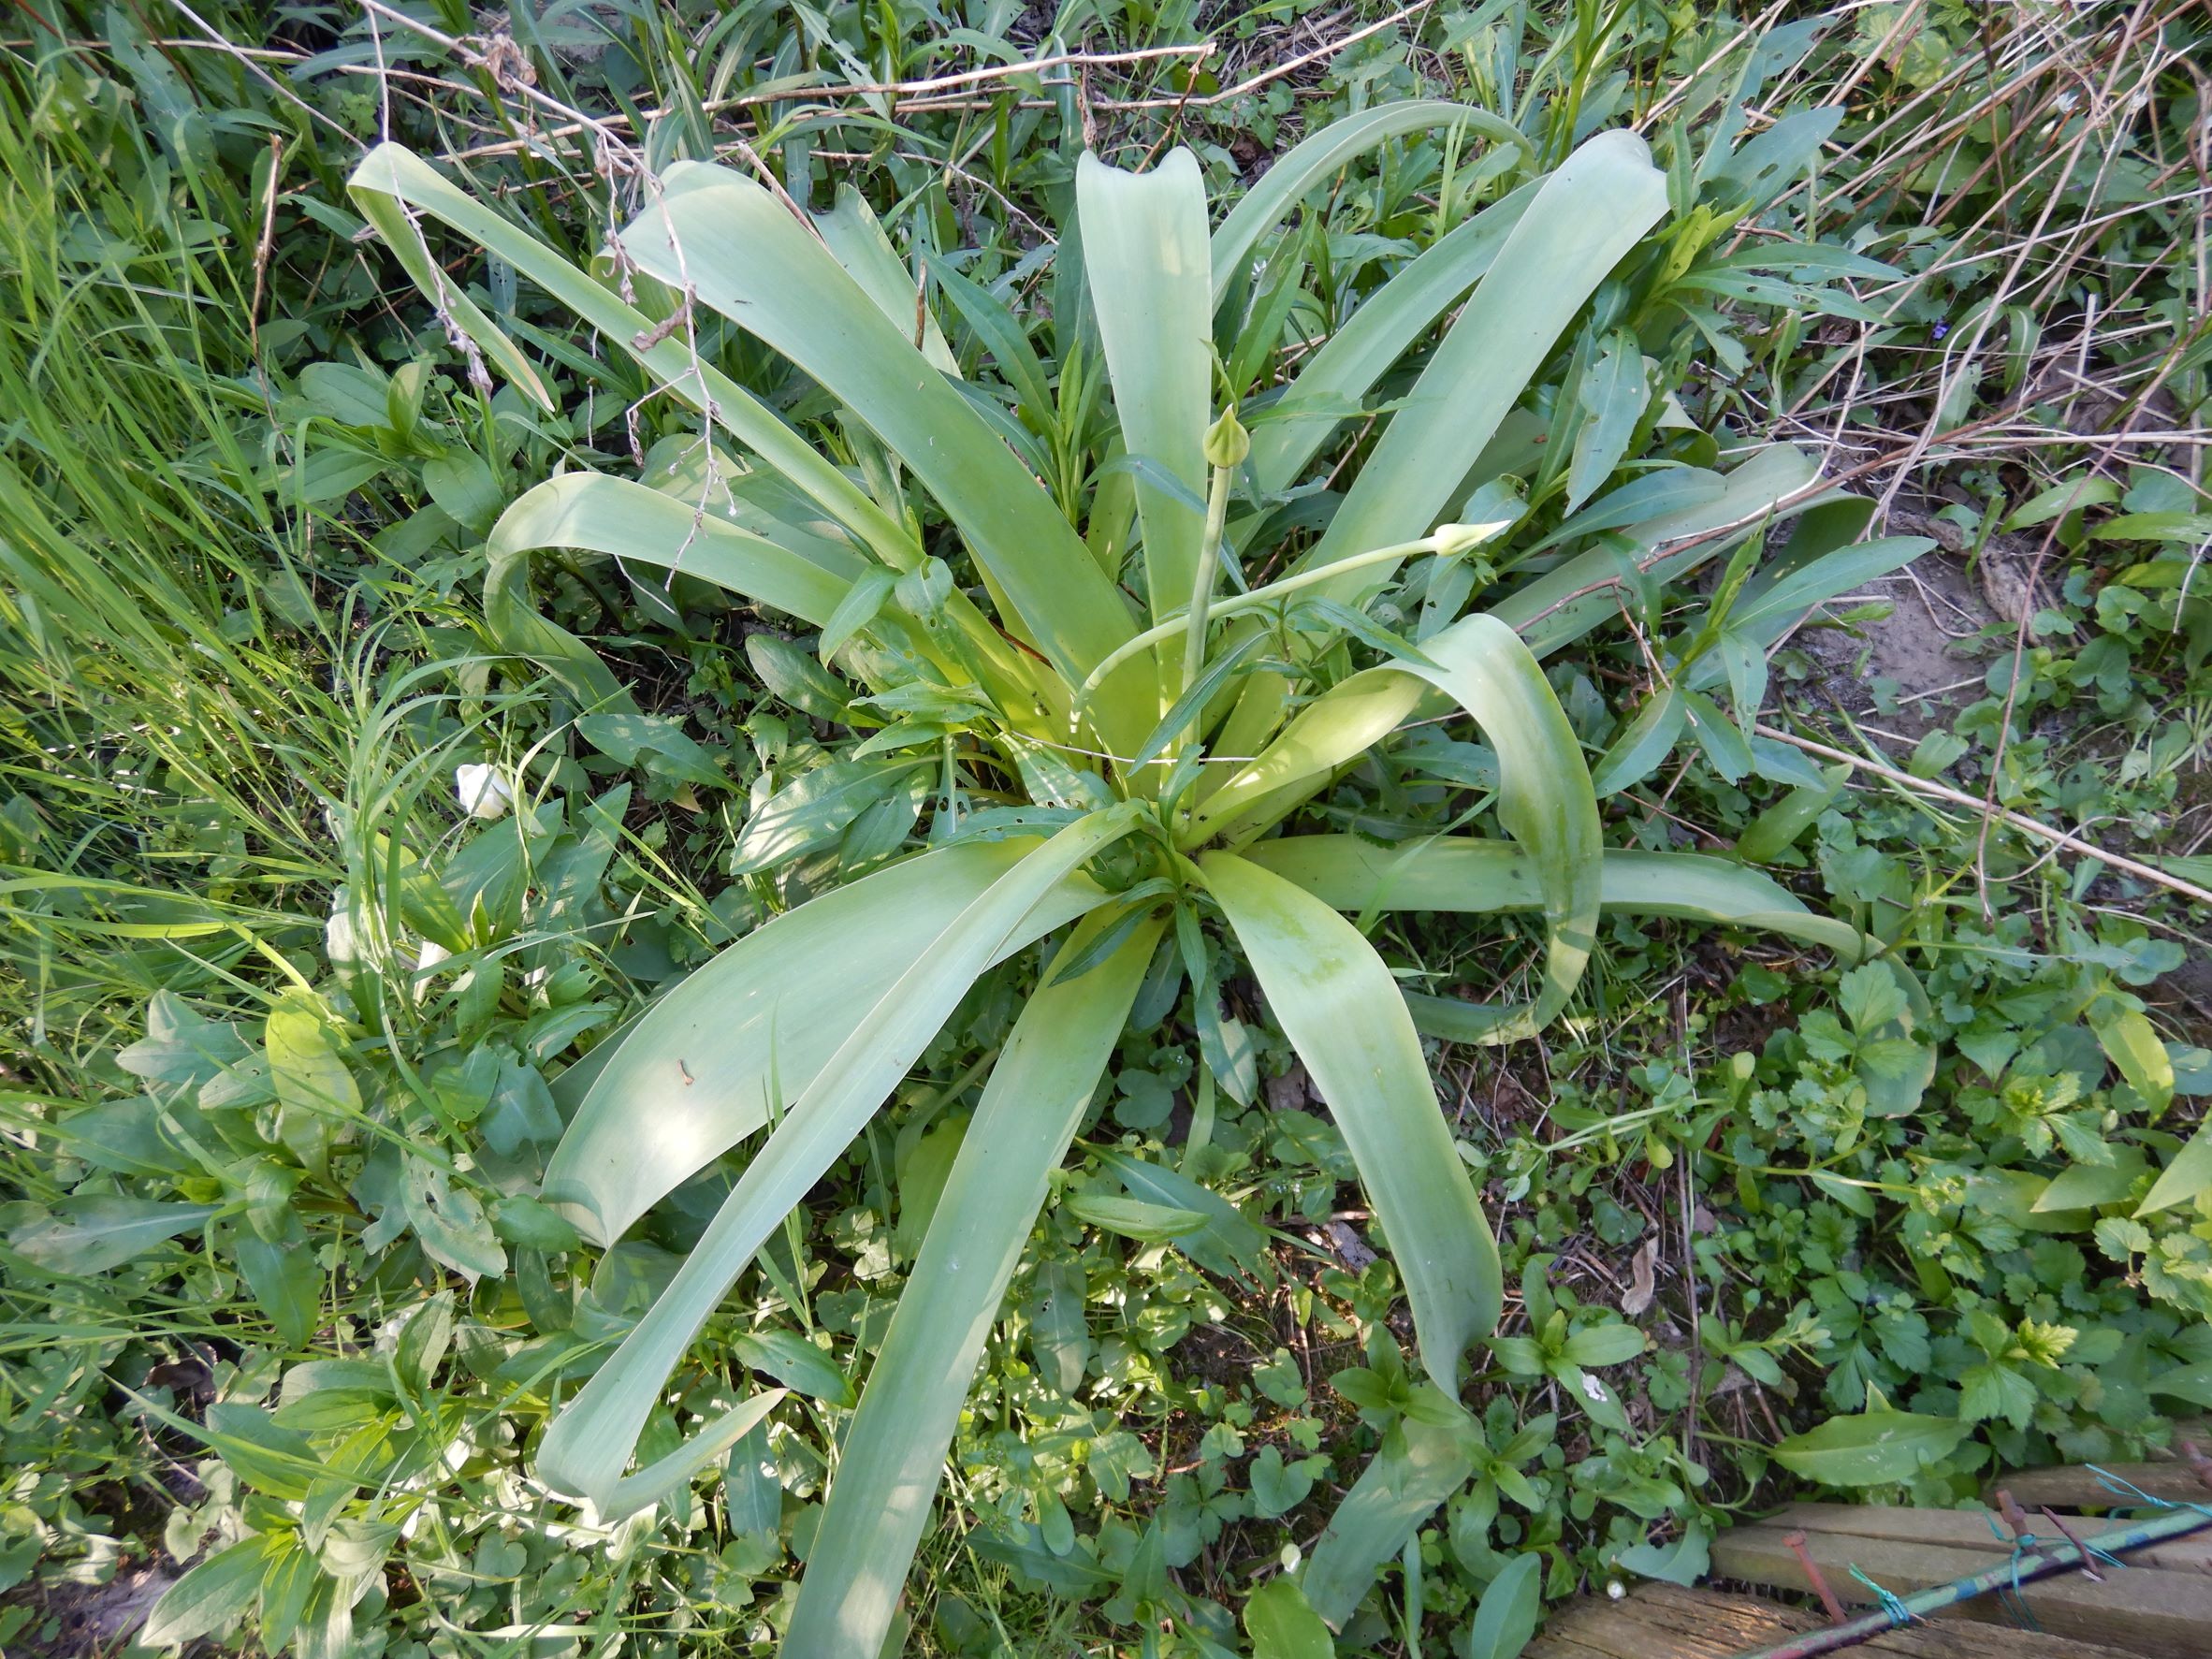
x=2019, y=821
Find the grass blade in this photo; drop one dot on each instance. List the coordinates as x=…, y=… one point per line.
x=1002, y=337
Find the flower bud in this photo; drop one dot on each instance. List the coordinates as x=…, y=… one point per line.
x=483, y=792
x=1226, y=442
x=1461, y=538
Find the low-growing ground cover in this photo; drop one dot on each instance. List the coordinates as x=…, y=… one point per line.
x=351, y=821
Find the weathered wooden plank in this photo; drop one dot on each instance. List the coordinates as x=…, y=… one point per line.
x=2164, y=1615
x=1969, y=1528
x=2076, y=1488
x=1664, y=1621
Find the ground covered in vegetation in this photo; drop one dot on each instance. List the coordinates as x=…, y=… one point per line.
x=316, y=889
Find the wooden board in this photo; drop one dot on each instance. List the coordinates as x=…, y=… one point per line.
x=1969, y=1528
x=2162, y=1615
x=1663, y=1621
x=2065, y=1489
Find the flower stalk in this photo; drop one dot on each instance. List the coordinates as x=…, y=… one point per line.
x=1227, y=445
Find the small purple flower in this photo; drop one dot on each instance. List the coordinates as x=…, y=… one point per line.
x=1942, y=329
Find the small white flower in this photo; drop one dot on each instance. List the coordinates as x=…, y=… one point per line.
x=484, y=793
x=1615, y=1589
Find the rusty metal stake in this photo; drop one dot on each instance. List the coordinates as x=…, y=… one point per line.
x=1795, y=1544
x=2089, y=1566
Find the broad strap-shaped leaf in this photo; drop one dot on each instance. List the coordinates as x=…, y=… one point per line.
x=1350, y=363
x=1144, y=252
x=1587, y=215
x=591, y=512
x=1339, y=1007
x=1307, y=166
x=737, y=249
x=1768, y=609
x=1545, y=798
x=1473, y=875
x=856, y=240
x=741, y=1039
x=1334, y=728
x=89, y=1233
x=392, y=188
x=1420, y=1464
x=666, y=1475
x=895, y=1452
x=392, y=185
x=587, y=1446
x=1568, y=600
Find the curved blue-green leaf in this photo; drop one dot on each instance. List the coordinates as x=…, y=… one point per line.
x=737, y=249
x=744, y=1037
x=392, y=185
x=1339, y=1007
x=593, y=513
x=585, y=1447
x=1473, y=875
x=893, y=1454
x=1307, y=166
x=1545, y=799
